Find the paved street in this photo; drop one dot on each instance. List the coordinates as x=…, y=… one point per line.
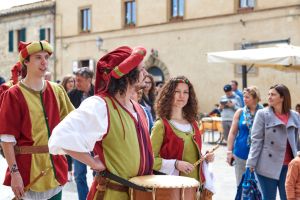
x=225, y=181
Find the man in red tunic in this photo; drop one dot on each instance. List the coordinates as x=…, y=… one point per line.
x=28, y=113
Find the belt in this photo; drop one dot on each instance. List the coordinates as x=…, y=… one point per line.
x=104, y=183
x=113, y=186
x=31, y=149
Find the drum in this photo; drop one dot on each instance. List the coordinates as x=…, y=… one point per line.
x=165, y=187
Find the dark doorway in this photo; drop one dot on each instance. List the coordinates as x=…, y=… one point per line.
x=157, y=74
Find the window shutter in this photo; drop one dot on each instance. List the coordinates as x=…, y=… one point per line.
x=88, y=19
x=133, y=12
x=42, y=34
x=174, y=8
x=251, y=3
x=48, y=35
x=11, y=41
x=181, y=8
x=23, y=34
x=243, y=3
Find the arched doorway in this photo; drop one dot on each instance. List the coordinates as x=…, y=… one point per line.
x=157, y=68
x=157, y=74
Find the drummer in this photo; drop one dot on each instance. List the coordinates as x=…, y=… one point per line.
x=110, y=117
x=176, y=138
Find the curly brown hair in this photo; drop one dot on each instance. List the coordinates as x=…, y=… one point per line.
x=163, y=103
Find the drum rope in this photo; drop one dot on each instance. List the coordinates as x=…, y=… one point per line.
x=182, y=193
x=153, y=193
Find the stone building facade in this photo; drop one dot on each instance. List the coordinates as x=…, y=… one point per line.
x=27, y=23
x=179, y=33
x=176, y=33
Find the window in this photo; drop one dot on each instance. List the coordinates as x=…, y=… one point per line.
x=45, y=34
x=246, y=3
x=21, y=35
x=177, y=8
x=83, y=63
x=157, y=74
x=10, y=41
x=130, y=13
x=42, y=34
x=85, y=15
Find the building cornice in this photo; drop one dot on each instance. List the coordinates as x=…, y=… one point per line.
x=45, y=4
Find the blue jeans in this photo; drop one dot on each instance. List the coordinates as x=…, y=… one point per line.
x=80, y=179
x=269, y=185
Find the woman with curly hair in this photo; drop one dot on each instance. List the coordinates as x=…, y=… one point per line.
x=176, y=138
x=148, y=97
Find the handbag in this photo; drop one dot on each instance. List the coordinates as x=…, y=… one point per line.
x=248, y=189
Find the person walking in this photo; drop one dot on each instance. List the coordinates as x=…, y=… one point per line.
x=235, y=88
x=229, y=104
x=239, y=139
x=274, y=142
x=28, y=113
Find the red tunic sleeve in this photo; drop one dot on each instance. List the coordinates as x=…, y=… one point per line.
x=10, y=113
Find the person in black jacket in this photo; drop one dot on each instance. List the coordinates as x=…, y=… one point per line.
x=83, y=89
x=83, y=86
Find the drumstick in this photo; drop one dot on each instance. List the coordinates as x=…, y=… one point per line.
x=43, y=173
x=203, y=158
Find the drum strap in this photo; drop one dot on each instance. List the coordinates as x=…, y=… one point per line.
x=122, y=181
x=158, y=173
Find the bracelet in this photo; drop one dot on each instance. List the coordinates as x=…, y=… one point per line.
x=229, y=151
x=14, y=169
x=175, y=164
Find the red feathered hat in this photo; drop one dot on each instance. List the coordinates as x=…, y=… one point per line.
x=116, y=64
x=16, y=71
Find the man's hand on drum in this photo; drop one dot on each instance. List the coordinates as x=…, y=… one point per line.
x=209, y=157
x=184, y=166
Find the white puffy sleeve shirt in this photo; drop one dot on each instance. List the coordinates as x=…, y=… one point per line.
x=81, y=129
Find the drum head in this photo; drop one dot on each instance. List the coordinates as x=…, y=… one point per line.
x=165, y=181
